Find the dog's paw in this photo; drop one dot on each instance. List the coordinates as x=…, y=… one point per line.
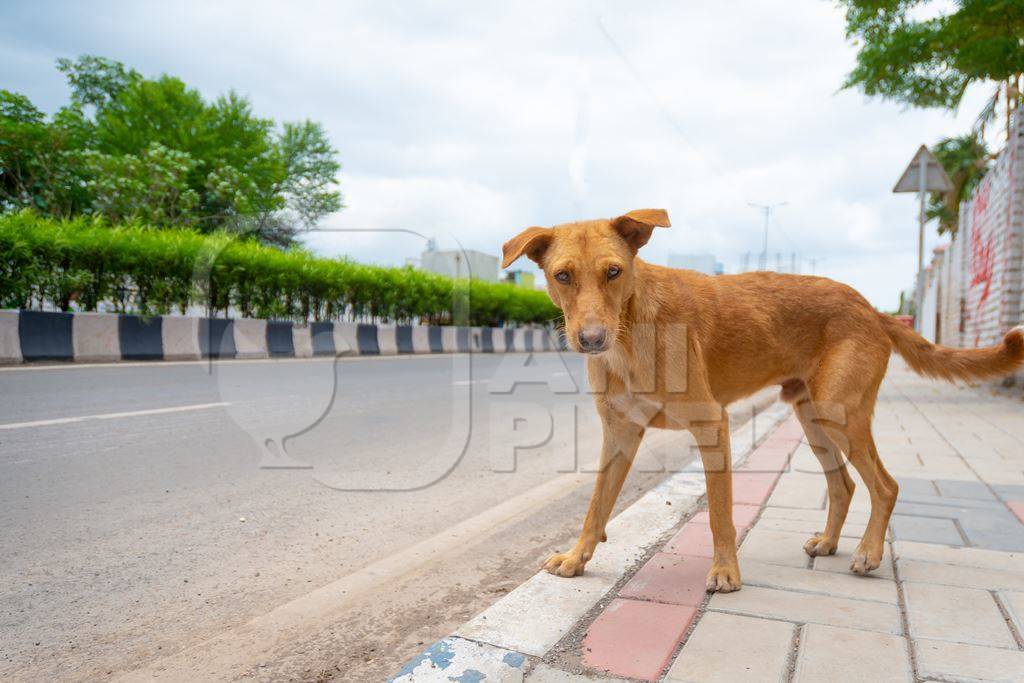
x=864, y=562
x=820, y=545
x=565, y=564
x=723, y=579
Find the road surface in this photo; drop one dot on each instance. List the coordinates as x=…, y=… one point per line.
x=149, y=509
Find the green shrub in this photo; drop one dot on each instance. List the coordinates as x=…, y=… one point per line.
x=153, y=271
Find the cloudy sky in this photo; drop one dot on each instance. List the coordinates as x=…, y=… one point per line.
x=468, y=121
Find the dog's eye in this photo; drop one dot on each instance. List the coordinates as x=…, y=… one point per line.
x=562, y=277
x=614, y=272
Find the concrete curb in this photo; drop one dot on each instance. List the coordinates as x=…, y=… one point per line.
x=179, y=338
x=523, y=626
x=10, y=341
x=27, y=336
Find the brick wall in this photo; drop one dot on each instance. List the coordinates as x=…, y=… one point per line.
x=976, y=282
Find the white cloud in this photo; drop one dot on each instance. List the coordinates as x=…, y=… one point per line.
x=469, y=121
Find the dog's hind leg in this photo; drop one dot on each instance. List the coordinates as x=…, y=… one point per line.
x=883, y=489
x=848, y=383
x=833, y=464
x=621, y=441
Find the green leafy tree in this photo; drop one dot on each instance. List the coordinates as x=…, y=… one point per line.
x=127, y=147
x=310, y=165
x=931, y=62
x=36, y=167
x=151, y=187
x=96, y=81
x=966, y=160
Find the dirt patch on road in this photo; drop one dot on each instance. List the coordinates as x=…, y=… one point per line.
x=386, y=629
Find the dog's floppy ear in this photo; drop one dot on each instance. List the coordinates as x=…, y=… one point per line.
x=636, y=226
x=533, y=242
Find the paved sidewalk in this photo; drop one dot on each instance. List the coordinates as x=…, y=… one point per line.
x=947, y=603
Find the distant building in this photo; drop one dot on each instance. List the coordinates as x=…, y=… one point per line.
x=702, y=263
x=521, y=278
x=460, y=264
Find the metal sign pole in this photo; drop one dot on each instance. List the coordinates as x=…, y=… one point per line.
x=923, y=184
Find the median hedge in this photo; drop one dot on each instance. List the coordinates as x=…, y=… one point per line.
x=82, y=262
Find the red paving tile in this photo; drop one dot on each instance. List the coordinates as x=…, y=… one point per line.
x=693, y=539
x=677, y=579
x=695, y=536
x=767, y=460
x=788, y=430
x=635, y=639
x=1017, y=507
x=752, y=488
x=743, y=516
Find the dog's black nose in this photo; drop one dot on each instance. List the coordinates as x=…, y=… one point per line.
x=592, y=338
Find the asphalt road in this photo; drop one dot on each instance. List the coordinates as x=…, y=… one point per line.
x=147, y=508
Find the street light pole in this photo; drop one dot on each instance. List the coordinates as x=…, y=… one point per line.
x=767, y=210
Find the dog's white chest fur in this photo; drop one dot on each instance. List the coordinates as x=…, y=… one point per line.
x=637, y=408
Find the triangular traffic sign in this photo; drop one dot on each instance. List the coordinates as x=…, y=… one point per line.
x=936, y=179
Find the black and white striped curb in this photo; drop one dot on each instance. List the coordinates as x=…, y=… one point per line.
x=27, y=336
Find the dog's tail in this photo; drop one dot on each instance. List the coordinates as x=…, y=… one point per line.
x=942, y=362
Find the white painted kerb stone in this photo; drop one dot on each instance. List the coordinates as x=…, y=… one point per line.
x=180, y=336
x=346, y=342
x=449, y=339
x=250, y=338
x=302, y=341
x=421, y=339
x=94, y=337
x=10, y=342
x=387, y=343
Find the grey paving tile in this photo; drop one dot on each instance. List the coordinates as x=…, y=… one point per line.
x=837, y=655
x=944, y=661
x=961, y=557
x=728, y=647
x=810, y=608
x=959, y=615
x=914, y=486
x=918, y=571
x=925, y=530
x=964, y=489
x=949, y=502
x=993, y=530
x=1010, y=491
x=841, y=585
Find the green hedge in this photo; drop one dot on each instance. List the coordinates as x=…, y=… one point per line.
x=153, y=271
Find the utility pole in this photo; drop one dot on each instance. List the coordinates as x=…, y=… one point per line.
x=767, y=210
x=746, y=262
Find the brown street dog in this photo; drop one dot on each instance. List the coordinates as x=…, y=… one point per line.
x=671, y=348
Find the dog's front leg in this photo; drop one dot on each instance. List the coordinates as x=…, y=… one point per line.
x=621, y=441
x=713, y=441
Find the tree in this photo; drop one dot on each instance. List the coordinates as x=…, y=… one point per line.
x=96, y=81
x=35, y=168
x=931, y=62
x=151, y=187
x=966, y=160
x=156, y=150
x=310, y=166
